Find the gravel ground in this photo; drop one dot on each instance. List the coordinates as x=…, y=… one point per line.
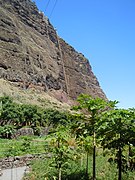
x=13, y=174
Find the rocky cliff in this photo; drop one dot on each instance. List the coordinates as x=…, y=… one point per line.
x=33, y=56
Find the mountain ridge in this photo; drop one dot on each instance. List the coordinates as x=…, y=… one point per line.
x=34, y=56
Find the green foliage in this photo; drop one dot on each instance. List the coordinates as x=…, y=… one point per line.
x=118, y=133
x=62, y=146
x=71, y=137
x=26, y=144
x=37, y=130
x=10, y=111
x=96, y=105
x=6, y=100
x=21, y=115
x=31, y=115
x=56, y=117
x=41, y=169
x=93, y=108
x=118, y=130
x=7, y=131
x=21, y=146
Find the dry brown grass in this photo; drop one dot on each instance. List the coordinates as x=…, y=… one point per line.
x=30, y=96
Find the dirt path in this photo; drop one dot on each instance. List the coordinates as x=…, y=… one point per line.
x=13, y=174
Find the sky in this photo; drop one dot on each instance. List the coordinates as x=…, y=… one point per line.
x=104, y=31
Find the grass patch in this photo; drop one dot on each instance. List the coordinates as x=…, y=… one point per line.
x=21, y=146
x=42, y=170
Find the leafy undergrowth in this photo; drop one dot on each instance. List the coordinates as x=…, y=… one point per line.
x=42, y=170
x=21, y=146
x=71, y=138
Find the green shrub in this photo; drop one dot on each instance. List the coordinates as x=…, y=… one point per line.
x=7, y=131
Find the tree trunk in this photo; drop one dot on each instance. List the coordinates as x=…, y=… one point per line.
x=81, y=161
x=59, y=166
x=94, y=157
x=120, y=155
x=119, y=164
x=59, y=173
x=130, y=160
x=129, y=153
x=82, y=158
x=87, y=163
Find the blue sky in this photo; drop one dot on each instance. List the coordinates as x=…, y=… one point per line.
x=104, y=31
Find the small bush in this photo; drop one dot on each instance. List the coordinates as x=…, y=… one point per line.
x=7, y=131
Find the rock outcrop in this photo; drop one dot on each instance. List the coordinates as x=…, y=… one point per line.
x=33, y=56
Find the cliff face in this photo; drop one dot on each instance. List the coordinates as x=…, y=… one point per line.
x=32, y=54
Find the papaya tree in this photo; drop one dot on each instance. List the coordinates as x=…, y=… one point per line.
x=61, y=146
x=93, y=109
x=83, y=139
x=117, y=132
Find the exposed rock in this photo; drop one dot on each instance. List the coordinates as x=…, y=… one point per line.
x=18, y=161
x=24, y=132
x=32, y=54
